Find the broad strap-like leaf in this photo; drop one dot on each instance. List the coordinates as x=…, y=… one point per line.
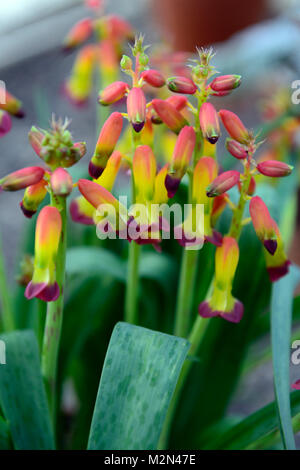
x=138, y=380
x=281, y=321
x=22, y=393
x=252, y=428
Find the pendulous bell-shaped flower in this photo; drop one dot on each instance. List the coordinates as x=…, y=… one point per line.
x=33, y=197
x=136, y=108
x=107, y=140
x=209, y=122
x=47, y=236
x=263, y=224
x=222, y=303
x=181, y=159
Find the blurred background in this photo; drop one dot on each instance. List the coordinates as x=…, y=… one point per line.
x=258, y=39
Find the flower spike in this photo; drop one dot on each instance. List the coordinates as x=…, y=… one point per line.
x=47, y=236
x=222, y=303
x=209, y=122
x=107, y=141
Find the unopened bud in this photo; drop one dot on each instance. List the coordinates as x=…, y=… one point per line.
x=169, y=115
x=237, y=150
x=225, y=83
x=181, y=85
x=61, y=182
x=223, y=183
x=112, y=93
x=22, y=178
x=153, y=78
x=136, y=108
x=235, y=127
x=274, y=168
x=126, y=62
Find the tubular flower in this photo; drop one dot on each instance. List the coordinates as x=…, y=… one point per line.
x=235, y=127
x=274, y=168
x=169, y=114
x=263, y=224
x=223, y=183
x=237, y=150
x=222, y=303
x=113, y=93
x=33, y=197
x=5, y=123
x=22, y=178
x=153, y=78
x=111, y=216
x=219, y=204
x=144, y=171
x=80, y=32
x=106, y=143
x=209, y=123
x=47, y=237
x=277, y=264
x=181, y=158
x=79, y=85
x=61, y=182
x=80, y=209
x=12, y=105
x=182, y=85
x=225, y=83
x=136, y=108
x=205, y=171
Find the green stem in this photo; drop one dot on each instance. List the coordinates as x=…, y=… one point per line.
x=186, y=292
x=54, y=316
x=189, y=261
x=195, y=339
x=236, y=223
x=7, y=313
x=132, y=284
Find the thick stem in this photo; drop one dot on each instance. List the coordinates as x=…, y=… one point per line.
x=54, y=316
x=131, y=311
x=195, y=339
x=7, y=313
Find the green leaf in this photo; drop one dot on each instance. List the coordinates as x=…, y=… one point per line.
x=281, y=321
x=5, y=440
x=94, y=260
x=22, y=394
x=252, y=428
x=138, y=379
x=98, y=261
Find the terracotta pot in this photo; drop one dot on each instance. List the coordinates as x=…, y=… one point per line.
x=190, y=23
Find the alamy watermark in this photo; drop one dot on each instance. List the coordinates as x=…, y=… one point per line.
x=2, y=92
x=295, y=357
x=142, y=222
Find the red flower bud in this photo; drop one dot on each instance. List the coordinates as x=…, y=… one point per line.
x=274, y=168
x=209, y=123
x=169, y=115
x=136, y=108
x=22, y=178
x=61, y=182
x=5, y=123
x=226, y=83
x=181, y=85
x=263, y=224
x=223, y=183
x=80, y=32
x=236, y=149
x=112, y=93
x=153, y=78
x=234, y=126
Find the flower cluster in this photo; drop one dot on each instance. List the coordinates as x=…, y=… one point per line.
x=58, y=152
